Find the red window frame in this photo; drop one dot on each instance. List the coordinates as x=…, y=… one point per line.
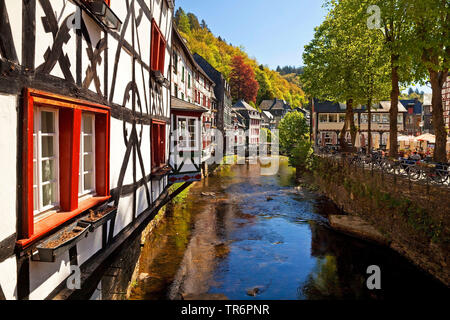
x=70, y=112
x=158, y=48
x=158, y=138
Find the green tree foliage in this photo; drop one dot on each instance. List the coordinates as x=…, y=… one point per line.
x=396, y=28
x=295, y=142
x=333, y=62
x=289, y=70
x=220, y=54
x=431, y=25
x=182, y=21
x=193, y=21
x=293, y=129
x=302, y=156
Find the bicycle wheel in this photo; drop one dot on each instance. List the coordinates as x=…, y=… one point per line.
x=414, y=173
x=439, y=176
x=388, y=166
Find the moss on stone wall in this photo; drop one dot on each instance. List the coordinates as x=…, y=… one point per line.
x=370, y=190
x=414, y=216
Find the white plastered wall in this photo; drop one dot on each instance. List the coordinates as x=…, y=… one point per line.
x=8, y=161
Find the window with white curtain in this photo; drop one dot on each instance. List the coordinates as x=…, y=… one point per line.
x=188, y=131
x=87, y=155
x=45, y=161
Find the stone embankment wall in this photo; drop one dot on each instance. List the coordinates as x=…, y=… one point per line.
x=413, y=216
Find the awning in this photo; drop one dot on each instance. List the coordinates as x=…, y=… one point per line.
x=428, y=137
x=405, y=138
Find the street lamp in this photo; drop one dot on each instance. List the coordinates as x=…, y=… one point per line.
x=101, y=9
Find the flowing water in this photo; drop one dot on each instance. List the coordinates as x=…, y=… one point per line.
x=243, y=235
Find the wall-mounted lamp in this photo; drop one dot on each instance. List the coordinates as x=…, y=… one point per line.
x=101, y=9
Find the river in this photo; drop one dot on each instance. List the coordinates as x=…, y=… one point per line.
x=242, y=235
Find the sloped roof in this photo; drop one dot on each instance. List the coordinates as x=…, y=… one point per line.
x=334, y=107
x=385, y=106
x=275, y=104
x=181, y=105
x=328, y=106
x=416, y=104
x=266, y=104
x=268, y=114
x=242, y=105
x=280, y=105
x=239, y=117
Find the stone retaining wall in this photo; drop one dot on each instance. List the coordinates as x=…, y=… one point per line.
x=413, y=216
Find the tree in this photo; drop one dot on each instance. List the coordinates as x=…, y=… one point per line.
x=265, y=91
x=220, y=55
x=374, y=69
x=193, y=21
x=242, y=80
x=396, y=29
x=332, y=60
x=204, y=25
x=432, y=29
x=302, y=157
x=182, y=21
x=293, y=129
x=294, y=140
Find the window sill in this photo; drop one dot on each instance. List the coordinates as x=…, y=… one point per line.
x=161, y=172
x=50, y=223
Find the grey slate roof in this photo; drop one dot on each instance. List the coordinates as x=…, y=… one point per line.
x=181, y=105
x=275, y=104
x=242, y=105
x=416, y=104
x=334, y=107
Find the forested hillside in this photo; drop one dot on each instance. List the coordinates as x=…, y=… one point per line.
x=220, y=55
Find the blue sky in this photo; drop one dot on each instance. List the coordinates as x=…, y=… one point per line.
x=273, y=32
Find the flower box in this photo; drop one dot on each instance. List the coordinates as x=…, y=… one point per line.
x=161, y=173
x=100, y=216
x=62, y=241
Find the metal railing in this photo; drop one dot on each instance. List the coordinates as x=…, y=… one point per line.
x=424, y=171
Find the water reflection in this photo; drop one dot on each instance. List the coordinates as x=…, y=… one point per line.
x=260, y=237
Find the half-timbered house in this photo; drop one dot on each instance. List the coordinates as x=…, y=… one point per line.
x=187, y=114
x=85, y=122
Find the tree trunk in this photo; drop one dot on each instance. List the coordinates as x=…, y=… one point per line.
x=349, y=121
x=369, y=126
x=353, y=130
x=298, y=172
x=393, y=129
x=342, y=134
x=437, y=82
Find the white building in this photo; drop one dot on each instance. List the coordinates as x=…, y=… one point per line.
x=85, y=121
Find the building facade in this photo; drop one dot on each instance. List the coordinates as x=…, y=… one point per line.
x=446, y=104
x=427, y=116
x=192, y=100
x=222, y=94
x=86, y=109
x=268, y=120
x=238, y=132
x=413, y=117
x=252, y=121
x=328, y=119
x=277, y=107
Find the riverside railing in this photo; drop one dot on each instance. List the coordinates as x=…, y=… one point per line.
x=419, y=171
